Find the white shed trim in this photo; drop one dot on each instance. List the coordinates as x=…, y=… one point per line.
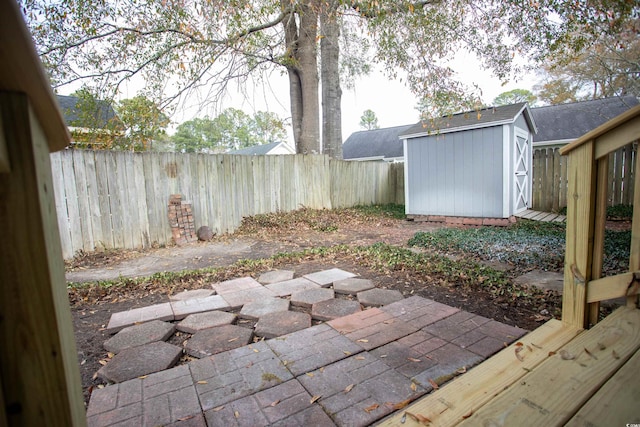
x=506, y=171
x=406, y=181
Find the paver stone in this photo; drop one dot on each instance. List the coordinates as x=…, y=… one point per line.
x=218, y=339
x=199, y=321
x=254, y=310
x=308, y=297
x=334, y=308
x=379, y=297
x=286, y=288
x=123, y=319
x=235, y=285
x=182, y=309
x=281, y=323
x=133, y=336
x=275, y=276
x=142, y=360
x=192, y=294
x=352, y=285
x=326, y=277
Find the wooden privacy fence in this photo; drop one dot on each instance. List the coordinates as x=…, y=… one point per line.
x=550, y=178
x=111, y=199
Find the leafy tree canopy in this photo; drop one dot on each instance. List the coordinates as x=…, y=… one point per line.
x=369, y=120
x=232, y=129
x=144, y=122
x=514, y=96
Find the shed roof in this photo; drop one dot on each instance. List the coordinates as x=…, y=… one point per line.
x=257, y=150
x=374, y=143
x=22, y=71
x=572, y=120
x=103, y=114
x=486, y=117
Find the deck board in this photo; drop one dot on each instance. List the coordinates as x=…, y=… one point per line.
x=557, y=388
x=616, y=403
x=464, y=395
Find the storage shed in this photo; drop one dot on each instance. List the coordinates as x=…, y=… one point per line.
x=475, y=164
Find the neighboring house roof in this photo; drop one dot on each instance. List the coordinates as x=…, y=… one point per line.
x=104, y=113
x=264, y=149
x=486, y=117
x=565, y=122
x=377, y=143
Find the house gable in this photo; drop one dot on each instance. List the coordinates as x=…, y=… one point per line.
x=376, y=144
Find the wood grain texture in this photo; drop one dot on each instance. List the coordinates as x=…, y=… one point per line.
x=463, y=396
x=38, y=360
x=557, y=389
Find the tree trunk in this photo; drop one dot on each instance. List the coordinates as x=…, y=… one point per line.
x=302, y=67
x=330, y=75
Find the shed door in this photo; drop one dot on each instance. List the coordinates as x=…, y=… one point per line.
x=522, y=167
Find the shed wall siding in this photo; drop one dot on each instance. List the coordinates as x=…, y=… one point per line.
x=456, y=174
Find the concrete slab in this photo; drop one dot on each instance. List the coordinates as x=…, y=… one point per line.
x=312, y=348
x=235, y=285
x=237, y=299
x=122, y=319
x=136, y=335
x=334, y=308
x=182, y=309
x=374, y=389
x=282, y=323
x=195, y=293
x=235, y=374
x=308, y=297
x=199, y=321
x=546, y=280
x=286, y=288
x=326, y=277
x=138, y=361
x=379, y=297
x=254, y=310
x=352, y=285
x=216, y=340
x=275, y=276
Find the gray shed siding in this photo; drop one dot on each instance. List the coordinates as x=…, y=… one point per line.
x=456, y=174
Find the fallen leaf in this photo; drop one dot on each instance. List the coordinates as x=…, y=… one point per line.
x=100, y=386
x=519, y=344
x=315, y=398
x=285, y=362
x=593, y=356
x=551, y=353
x=255, y=350
x=275, y=403
x=236, y=414
x=414, y=386
x=382, y=356
x=309, y=374
x=234, y=339
x=102, y=362
x=529, y=348
x=218, y=408
x=462, y=370
x=202, y=382
x=363, y=340
x=536, y=346
x=186, y=418
x=434, y=384
x=388, y=322
x=372, y=407
x=250, y=364
x=321, y=369
x=110, y=355
x=142, y=377
x=96, y=375
x=614, y=354
x=359, y=358
x=518, y=355
x=399, y=405
x=467, y=415
x=348, y=388
x=419, y=418
x=348, y=353
x=565, y=355
x=413, y=359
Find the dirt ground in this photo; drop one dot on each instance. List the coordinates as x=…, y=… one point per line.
x=92, y=306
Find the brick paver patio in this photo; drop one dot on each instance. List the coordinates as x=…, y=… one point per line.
x=350, y=371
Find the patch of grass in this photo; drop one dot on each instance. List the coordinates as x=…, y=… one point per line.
x=617, y=212
x=391, y=210
x=526, y=244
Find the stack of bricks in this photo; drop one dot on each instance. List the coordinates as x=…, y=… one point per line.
x=183, y=228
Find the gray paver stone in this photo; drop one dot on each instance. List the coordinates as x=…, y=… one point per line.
x=142, y=360
x=123, y=319
x=546, y=280
x=254, y=310
x=136, y=335
x=235, y=285
x=379, y=297
x=308, y=297
x=199, y=321
x=195, y=293
x=326, y=277
x=352, y=285
x=282, y=323
x=334, y=308
x=286, y=288
x=218, y=339
x=182, y=309
x=275, y=276
x=238, y=299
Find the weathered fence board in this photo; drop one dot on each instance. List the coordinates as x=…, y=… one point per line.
x=550, y=178
x=107, y=199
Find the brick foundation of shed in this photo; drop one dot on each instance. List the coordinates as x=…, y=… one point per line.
x=460, y=220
